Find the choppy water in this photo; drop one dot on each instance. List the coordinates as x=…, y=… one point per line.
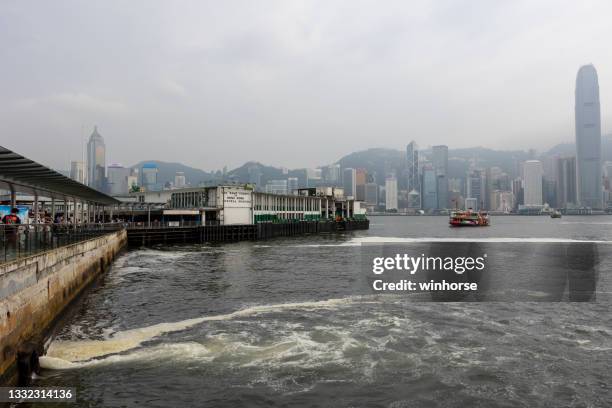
x=292, y=322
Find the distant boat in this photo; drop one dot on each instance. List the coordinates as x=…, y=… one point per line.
x=555, y=214
x=469, y=218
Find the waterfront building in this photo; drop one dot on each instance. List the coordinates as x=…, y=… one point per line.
x=77, y=171
x=349, y=182
x=588, y=138
x=96, y=161
x=532, y=171
x=118, y=179
x=235, y=205
x=391, y=194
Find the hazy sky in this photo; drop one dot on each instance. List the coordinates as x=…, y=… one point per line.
x=293, y=83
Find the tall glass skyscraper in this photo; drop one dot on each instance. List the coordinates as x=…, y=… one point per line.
x=96, y=161
x=412, y=165
x=588, y=138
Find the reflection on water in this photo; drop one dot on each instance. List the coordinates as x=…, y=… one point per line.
x=512, y=271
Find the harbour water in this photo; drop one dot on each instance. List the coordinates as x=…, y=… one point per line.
x=292, y=321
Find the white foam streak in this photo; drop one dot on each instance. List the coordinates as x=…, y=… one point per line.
x=402, y=240
x=80, y=351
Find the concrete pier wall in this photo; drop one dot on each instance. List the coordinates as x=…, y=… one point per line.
x=231, y=233
x=35, y=290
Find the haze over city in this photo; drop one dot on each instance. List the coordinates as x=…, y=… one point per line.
x=294, y=84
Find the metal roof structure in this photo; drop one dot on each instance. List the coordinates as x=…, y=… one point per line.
x=27, y=176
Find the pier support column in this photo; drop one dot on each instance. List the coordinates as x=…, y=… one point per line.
x=36, y=221
x=83, y=212
x=13, y=196
x=53, y=209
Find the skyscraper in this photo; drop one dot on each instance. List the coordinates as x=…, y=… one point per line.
x=349, y=182
x=440, y=165
x=77, y=171
x=148, y=175
x=96, y=161
x=440, y=159
x=391, y=193
x=117, y=180
x=475, y=189
x=430, y=188
x=371, y=194
x=565, y=176
x=412, y=165
x=331, y=174
x=533, y=182
x=588, y=138
x=360, y=182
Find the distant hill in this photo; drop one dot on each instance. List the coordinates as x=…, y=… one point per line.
x=167, y=171
x=569, y=149
x=378, y=162
x=382, y=162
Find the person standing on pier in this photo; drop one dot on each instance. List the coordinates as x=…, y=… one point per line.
x=12, y=218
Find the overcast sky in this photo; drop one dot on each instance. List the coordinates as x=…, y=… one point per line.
x=293, y=83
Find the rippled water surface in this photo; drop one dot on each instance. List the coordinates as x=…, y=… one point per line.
x=291, y=322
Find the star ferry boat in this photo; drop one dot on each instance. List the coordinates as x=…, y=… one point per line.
x=469, y=218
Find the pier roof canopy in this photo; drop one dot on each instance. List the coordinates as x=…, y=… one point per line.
x=28, y=176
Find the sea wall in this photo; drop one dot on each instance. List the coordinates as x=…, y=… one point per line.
x=231, y=233
x=34, y=291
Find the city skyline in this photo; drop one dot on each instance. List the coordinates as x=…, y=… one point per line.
x=193, y=91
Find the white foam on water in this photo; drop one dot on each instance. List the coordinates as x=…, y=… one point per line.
x=84, y=350
x=402, y=240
